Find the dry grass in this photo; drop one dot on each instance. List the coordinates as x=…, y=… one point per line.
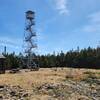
x=29, y=79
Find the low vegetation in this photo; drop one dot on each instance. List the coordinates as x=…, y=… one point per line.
x=48, y=84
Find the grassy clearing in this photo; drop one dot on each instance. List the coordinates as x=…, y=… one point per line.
x=36, y=78
x=48, y=84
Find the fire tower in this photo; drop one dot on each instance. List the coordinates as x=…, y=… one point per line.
x=29, y=39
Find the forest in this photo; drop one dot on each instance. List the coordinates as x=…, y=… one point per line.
x=84, y=58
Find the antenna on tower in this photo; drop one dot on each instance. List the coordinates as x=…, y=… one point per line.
x=29, y=40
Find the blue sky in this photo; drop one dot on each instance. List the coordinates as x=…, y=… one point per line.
x=60, y=24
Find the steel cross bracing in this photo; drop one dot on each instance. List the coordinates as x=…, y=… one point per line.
x=29, y=39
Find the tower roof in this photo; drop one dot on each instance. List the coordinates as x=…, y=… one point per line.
x=30, y=12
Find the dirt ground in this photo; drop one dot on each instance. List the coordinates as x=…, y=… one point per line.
x=48, y=78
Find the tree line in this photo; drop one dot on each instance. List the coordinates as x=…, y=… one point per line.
x=84, y=58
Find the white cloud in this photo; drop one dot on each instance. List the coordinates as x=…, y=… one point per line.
x=61, y=6
x=94, y=23
x=95, y=17
x=10, y=42
x=92, y=28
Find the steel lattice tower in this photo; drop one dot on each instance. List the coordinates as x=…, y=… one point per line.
x=29, y=39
